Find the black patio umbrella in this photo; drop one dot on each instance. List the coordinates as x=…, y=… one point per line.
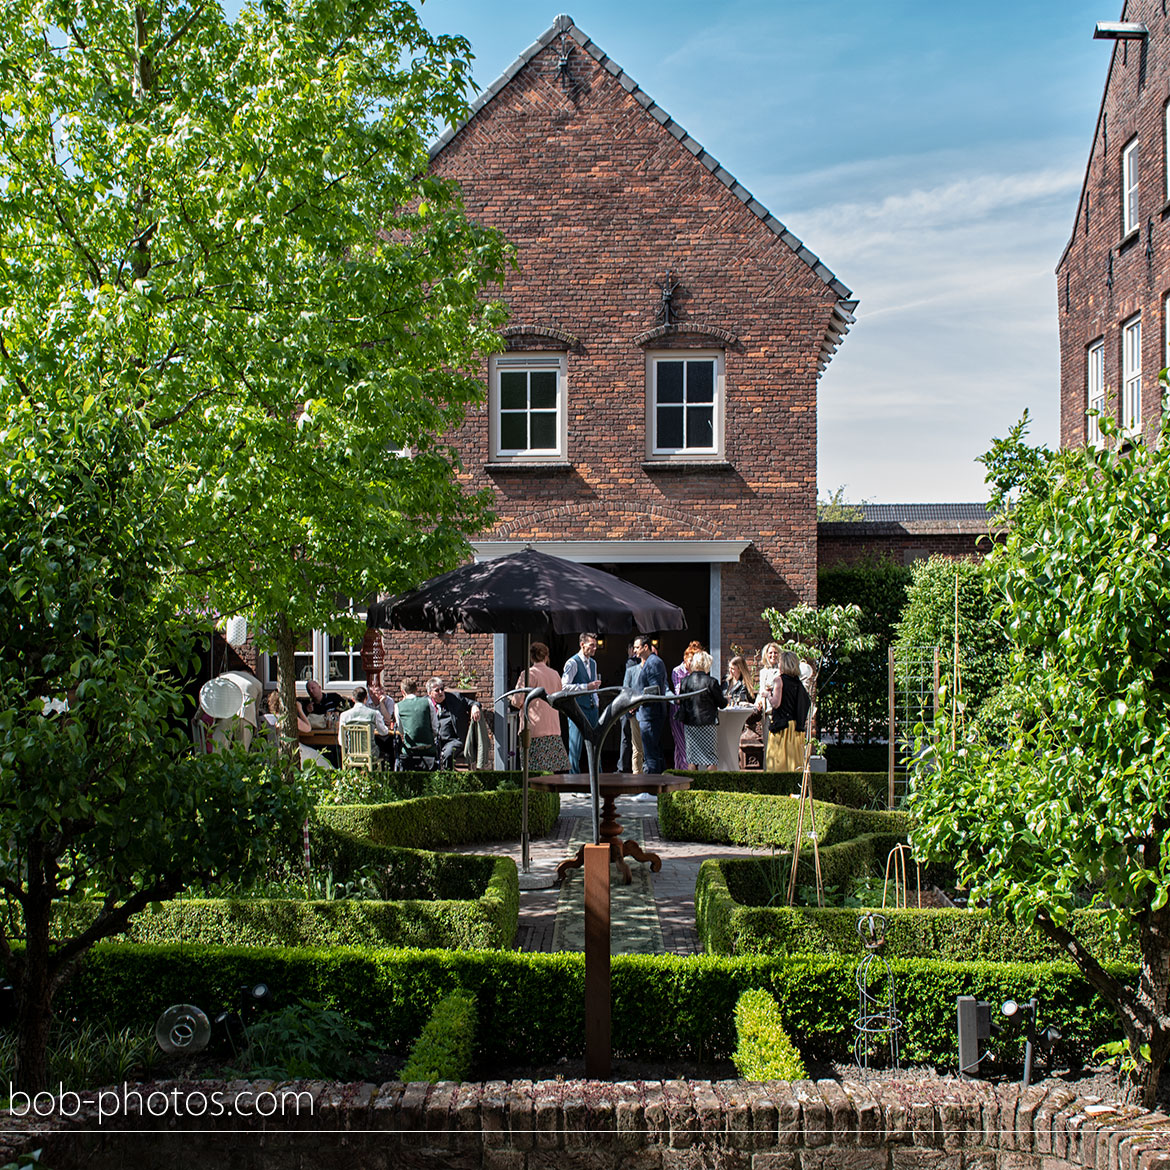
x=532, y=593
x=528, y=592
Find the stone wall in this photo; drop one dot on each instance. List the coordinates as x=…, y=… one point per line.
x=582, y=1125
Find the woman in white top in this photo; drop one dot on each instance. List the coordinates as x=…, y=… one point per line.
x=769, y=672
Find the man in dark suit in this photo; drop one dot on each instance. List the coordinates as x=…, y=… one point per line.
x=451, y=715
x=651, y=716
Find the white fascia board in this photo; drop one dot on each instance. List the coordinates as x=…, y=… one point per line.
x=621, y=551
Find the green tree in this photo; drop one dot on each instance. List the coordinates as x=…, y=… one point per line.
x=230, y=225
x=1072, y=802
x=100, y=793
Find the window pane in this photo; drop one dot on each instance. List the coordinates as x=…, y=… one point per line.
x=700, y=381
x=513, y=431
x=670, y=427
x=302, y=666
x=670, y=381
x=699, y=427
x=544, y=430
x=543, y=386
x=513, y=391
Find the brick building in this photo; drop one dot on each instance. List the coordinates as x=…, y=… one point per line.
x=1113, y=280
x=655, y=410
x=904, y=533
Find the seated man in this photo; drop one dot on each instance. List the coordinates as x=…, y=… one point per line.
x=362, y=712
x=417, y=730
x=451, y=716
x=320, y=702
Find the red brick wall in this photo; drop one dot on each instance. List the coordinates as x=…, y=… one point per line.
x=602, y=202
x=846, y=544
x=1089, y=306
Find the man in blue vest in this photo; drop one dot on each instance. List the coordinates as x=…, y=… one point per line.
x=580, y=677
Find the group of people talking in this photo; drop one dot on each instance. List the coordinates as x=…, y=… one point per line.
x=657, y=736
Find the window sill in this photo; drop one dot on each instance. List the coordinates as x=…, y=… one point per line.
x=686, y=465
x=1129, y=239
x=528, y=465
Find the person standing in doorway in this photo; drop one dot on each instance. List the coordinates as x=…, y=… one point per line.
x=651, y=716
x=630, y=751
x=580, y=678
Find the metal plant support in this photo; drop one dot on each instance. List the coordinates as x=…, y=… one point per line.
x=877, y=1021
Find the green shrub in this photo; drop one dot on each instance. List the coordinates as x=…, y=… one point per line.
x=444, y=1050
x=359, y=786
x=433, y=900
x=303, y=1041
x=763, y=1051
x=852, y=789
x=665, y=1007
x=739, y=910
x=737, y=818
x=426, y=822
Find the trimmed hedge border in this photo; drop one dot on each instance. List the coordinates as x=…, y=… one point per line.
x=730, y=919
x=665, y=1007
x=454, y=900
x=860, y=790
x=425, y=822
x=720, y=817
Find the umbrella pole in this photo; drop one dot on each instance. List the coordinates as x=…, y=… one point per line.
x=525, y=739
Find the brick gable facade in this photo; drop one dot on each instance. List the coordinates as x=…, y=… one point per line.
x=1113, y=275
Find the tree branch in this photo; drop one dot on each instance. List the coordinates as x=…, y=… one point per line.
x=1112, y=989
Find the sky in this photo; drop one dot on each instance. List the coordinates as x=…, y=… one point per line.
x=930, y=155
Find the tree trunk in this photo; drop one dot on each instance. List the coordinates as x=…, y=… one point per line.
x=35, y=1008
x=286, y=681
x=1152, y=999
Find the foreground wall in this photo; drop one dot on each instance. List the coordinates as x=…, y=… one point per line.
x=901, y=1125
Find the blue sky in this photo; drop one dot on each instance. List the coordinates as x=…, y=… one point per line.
x=930, y=155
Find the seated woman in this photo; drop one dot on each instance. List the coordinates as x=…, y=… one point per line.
x=308, y=754
x=737, y=689
x=702, y=698
x=790, y=706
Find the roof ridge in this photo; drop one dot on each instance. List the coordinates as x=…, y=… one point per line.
x=565, y=24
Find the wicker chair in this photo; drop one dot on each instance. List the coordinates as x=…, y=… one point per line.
x=357, y=746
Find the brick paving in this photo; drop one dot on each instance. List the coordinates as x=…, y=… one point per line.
x=674, y=884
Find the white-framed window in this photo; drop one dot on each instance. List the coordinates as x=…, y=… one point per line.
x=332, y=659
x=1166, y=148
x=1129, y=187
x=1095, y=391
x=527, y=403
x=684, y=404
x=1131, y=373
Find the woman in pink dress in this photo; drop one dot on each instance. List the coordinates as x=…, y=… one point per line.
x=546, y=749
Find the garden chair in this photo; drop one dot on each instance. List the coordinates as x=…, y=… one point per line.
x=357, y=746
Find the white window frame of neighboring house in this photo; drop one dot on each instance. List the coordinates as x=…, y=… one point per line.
x=1166, y=147
x=316, y=656
x=1131, y=373
x=656, y=448
x=1129, y=187
x=1095, y=390
x=509, y=365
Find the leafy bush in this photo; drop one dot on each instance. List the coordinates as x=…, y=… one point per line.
x=853, y=789
x=665, y=1007
x=763, y=1051
x=359, y=786
x=90, y=1055
x=853, y=702
x=304, y=1041
x=446, y=1046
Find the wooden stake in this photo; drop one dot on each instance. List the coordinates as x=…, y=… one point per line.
x=597, y=985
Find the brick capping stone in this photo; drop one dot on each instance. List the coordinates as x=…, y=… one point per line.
x=942, y=1124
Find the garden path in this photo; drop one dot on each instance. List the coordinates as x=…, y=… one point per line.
x=655, y=914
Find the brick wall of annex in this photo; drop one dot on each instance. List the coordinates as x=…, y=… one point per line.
x=846, y=543
x=602, y=202
x=1105, y=278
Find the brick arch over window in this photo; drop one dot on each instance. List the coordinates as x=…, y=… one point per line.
x=629, y=520
x=522, y=336
x=687, y=332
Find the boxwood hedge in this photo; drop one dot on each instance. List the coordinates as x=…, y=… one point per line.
x=733, y=917
x=665, y=1007
x=438, y=900
x=852, y=789
x=738, y=818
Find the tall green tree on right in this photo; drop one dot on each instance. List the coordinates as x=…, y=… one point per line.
x=1064, y=797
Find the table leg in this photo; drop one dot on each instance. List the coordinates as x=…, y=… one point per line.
x=634, y=850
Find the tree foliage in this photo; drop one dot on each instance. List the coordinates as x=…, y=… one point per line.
x=1073, y=806
x=103, y=799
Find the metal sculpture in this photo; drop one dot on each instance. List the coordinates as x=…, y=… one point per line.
x=877, y=1021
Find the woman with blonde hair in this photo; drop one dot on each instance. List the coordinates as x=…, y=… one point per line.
x=546, y=749
x=677, y=675
x=790, y=706
x=702, y=699
x=738, y=688
x=769, y=671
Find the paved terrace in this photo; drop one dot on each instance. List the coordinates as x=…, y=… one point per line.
x=653, y=915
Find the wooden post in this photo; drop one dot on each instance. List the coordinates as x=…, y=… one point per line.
x=597, y=987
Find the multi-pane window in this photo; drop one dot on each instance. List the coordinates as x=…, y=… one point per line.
x=1131, y=373
x=528, y=413
x=1129, y=187
x=332, y=659
x=685, y=404
x=1095, y=380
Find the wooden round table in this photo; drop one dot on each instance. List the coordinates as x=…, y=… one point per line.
x=611, y=785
